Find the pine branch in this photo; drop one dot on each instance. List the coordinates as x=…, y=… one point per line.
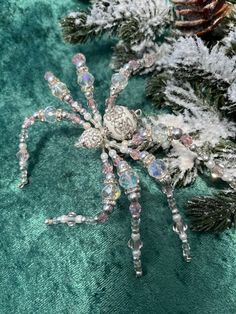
x=210, y=72
x=122, y=54
x=229, y=42
x=77, y=30
x=137, y=25
x=213, y=213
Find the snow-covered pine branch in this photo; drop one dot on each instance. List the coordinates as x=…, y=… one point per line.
x=138, y=24
x=209, y=130
x=209, y=71
x=190, y=53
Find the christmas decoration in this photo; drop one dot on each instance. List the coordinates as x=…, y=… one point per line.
x=120, y=133
x=123, y=133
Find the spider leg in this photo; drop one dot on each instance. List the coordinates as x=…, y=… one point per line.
x=157, y=169
x=178, y=227
x=110, y=195
x=60, y=90
x=129, y=180
x=49, y=114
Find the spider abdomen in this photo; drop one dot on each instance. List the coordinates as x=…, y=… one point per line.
x=120, y=122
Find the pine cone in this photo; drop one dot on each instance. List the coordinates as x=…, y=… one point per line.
x=198, y=17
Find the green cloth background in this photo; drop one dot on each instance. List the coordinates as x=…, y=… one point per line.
x=87, y=269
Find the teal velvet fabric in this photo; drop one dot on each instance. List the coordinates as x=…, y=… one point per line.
x=87, y=269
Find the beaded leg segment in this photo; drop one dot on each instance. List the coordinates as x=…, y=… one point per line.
x=120, y=133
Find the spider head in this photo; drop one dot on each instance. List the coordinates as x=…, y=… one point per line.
x=90, y=138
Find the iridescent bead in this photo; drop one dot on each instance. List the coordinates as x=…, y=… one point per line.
x=28, y=122
x=135, y=208
x=137, y=139
x=128, y=180
x=50, y=114
x=122, y=165
x=102, y=217
x=186, y=140
x=119, y=80
x=134, y=65
x=135, y=154
x=59, y=90
x=49, y=76
x=107, y=168
x=159, y=135
x=79, y=60
x=111, y=191
x=156, y=168
x=85, y=79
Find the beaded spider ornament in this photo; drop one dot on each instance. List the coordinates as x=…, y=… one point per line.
x=120, y=133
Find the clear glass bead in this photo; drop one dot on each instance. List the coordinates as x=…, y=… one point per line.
x=128, y=180
x=156, y=168
x=119, y=80
x=111, y=191
x=85, y=79
x=59, y=90
x=50, y=114
x=79, y=60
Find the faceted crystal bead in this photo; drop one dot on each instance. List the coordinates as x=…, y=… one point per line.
x=29, y=121
x=135, y=154
x=111, y=191
x=159, y=135
x=107, y=168
x=156, y=168
x=186, y=140
x=102, y=217
x=128, y=180
x=23, y=155
x=85, y=79
x=59, y=89
x=122, y=165
x=119, y=80
x=79, y=60
x=50, y=114
x=49, y=76
x=135, y=208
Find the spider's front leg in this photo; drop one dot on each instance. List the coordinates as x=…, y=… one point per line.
x=110, y=194
x=50, y=114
